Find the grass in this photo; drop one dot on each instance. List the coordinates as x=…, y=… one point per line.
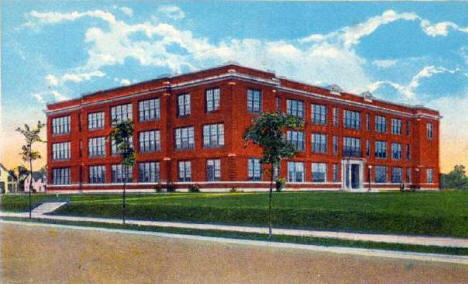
x=262, y=237
x=421, y=213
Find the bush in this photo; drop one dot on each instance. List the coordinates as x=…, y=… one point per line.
x=280, y=182
x=194, y=188
x=170, y=187
x=158, y=188
x=233, y=189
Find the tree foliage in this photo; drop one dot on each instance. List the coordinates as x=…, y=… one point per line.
x=31, y=136
x=456, y=179
x=121, y=133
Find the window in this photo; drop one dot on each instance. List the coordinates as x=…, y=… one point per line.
x=297, y=139
x=396, y=151
x=319, y=114
x=61, y=151
x=294, y=107
x=295, y=172
x=408, y=175
x=278, y=105
x=367, y=148
x=396, y=126
x=381, y=149
x=121, y=113
x=335, y=172
x=213, y=170
x=61, y=176
x=319, y=172
x=429, y=130
x=352, y=119
x=184, y=138
x=351, y=147
x=183, y=105
x=380, y=174
x=149, y=110
x=380, y=124
x=61, y=125
x=397, y=175
x=335, y=145
x=97, y=174
x=95, y=120
x=115, y=151
x=185, y=171
x=336, y=118
x=368, y=122
x=319, y=143
x=408, y=152
x=408, y=128
x=430, y=175
x=121, y=173
x=97, y=147
x=212, y=99
x=148, y=172
x=254, y=169
x=254, y=100
x=213, y=135
x=150, y=141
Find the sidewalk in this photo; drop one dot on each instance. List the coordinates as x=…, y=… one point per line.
x=383, y=238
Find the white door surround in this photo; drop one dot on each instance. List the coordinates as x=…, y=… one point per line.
x=352, y=174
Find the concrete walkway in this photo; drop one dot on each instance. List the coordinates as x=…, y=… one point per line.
x=383, y=238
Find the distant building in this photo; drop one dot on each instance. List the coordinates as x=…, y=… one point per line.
x=39, y=182
x=8, y=183
x=188, y=129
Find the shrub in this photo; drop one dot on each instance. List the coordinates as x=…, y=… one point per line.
x=280, y=182
x=233, y=189
x=194, y=188
x=158, y=188
x=170, y=187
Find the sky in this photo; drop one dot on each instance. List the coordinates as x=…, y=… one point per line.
x=415, y=52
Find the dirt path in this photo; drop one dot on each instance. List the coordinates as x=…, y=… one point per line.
x=33, y=254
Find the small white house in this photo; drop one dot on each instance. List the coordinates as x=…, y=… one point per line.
x=39, y=182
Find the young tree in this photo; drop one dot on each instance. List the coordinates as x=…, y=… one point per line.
x=31, y=137
x=121, y=134
x=267, y=131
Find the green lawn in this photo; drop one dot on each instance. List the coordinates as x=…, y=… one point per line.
x=426, y=213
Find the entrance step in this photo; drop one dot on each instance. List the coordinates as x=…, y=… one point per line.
x=47, y=207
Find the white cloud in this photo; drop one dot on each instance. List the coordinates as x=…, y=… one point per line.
x=384, y=63
x=58, y=96
x=52, y=80
x=125, y=82
x=441, y=28
x=73, y=77
x=39, y=98
x=127, y=11
x=172, y=12
x=42, y=18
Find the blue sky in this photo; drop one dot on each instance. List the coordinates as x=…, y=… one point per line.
x=413, y=53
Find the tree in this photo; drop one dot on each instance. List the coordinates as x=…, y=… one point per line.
x=455, y=179
x=121, y=134
x=267, y=131
x=31, y=137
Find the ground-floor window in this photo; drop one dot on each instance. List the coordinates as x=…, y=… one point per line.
x=61, y=176
x=148, y=172
x=121, y=173
x=430, y=175
x=380, y=174
x=254, y=169
x=335, y=172
x=185, y=171
x=295, y=172
x=408, y=175
x=213, y=170
x=97, y=174
x=319, y=172
x=396, y=175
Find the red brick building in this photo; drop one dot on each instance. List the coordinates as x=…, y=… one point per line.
x=188, y=129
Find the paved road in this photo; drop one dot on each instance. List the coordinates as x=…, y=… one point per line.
x=40, y=254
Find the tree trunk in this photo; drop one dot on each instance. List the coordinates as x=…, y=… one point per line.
x=30, y=184
x=123, y=195
x=269, y=202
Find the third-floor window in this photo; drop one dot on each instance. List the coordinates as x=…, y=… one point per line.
x=183, y=105
x=121, y=113
x=61, y=125
x=213, y=135
x=319, y=114
x=254, y=100
x=295, y=107
x=149, y=109
x=429, y=130
x=380, y=124
x=352, y=119
x=396, y=126
x=212, y=99
x=95, y=120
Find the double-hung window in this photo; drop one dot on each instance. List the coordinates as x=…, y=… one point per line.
x=380, y=124
x=61, y=176
x=121, y=113
x=183, y=105
x=61, y=151
x=335, y=172
x=351, y=147
x=213, y=170
x=296, y=138
x=121, y=173
x=396, y=151
x=381, y=149
x=254, y=100
x=335, y=145
x=408, y=152
x=397, y=175
x=184, y=138
x=319, y=143
x=295, y=108
x=319, y=172
x=396, y=126
x=429, y=130
x=430, y=175
x=148, y=172
x=254, y=169
x=97, y=174
x=61, y=125
x=380, y=174
x=352, y=119
x=95, y=120
x=185, y=171
x=97, y=147
x=149, y=110
x=150, y=141
x=295, y=171
x=319, y=114
x=212, y=99
x=213, y=135
x=336, y=117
